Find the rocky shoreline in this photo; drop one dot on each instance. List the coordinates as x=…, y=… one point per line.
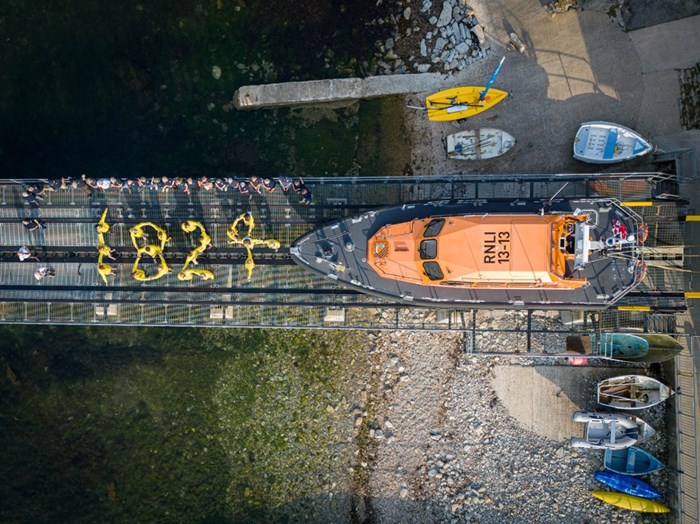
x=449, y=36
x=435, y=37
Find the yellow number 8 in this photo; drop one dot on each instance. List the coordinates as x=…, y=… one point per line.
x=155, y=251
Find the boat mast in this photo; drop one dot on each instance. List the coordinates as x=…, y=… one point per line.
x=482, y=95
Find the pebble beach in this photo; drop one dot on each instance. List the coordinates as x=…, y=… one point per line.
x=445, y=444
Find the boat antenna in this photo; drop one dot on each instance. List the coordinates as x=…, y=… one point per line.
x=482, y=95
x=549, y=202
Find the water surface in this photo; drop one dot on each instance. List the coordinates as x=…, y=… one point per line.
x=129, y=88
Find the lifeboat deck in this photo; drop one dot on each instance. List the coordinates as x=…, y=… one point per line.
x=609, y=277
x=280, y=293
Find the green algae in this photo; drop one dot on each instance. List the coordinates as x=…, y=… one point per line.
x=185, y=425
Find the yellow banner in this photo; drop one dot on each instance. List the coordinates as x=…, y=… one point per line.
x=647, y=203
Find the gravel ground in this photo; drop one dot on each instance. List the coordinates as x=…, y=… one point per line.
x=443, y=447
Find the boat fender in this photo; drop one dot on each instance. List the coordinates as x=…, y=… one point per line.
x=640, y=271
x=577, y=361
x=516, y=43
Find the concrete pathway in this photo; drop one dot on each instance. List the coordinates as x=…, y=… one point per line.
x=577, y=67
x=337, y=91
x=543, y=398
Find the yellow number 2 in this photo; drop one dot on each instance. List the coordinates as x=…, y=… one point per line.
x=186, y=273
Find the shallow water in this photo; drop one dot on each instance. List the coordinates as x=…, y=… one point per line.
x=130, y=88
x=172, y=425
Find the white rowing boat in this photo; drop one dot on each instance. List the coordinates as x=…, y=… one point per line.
x=478, y=144
x=632, y=392
x=607, y=143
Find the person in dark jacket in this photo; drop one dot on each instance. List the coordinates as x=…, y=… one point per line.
x=32, y=224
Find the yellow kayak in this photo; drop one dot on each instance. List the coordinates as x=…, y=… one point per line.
x=624, y=501
x=461, y=102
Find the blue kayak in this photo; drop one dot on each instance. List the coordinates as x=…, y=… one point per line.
x=620, y=345
x=627, y=484
x=631, y=461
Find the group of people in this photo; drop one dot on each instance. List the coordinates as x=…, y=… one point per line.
x=247, y=223
x=33, y=193
x=103, y=250
x=155, y=251
x=24, y=253
x=247, y=186
x=188, y=273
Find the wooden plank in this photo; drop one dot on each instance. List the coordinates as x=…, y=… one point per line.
x=687, y=443
x=686, y=425
x=689, y=509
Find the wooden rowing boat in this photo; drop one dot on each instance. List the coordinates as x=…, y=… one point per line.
x=631, y=461
x=632, y=392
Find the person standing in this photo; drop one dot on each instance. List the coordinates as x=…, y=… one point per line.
x=205, y=184
x=285, y=182
x=85, y=184
x=32, y=224
x=306, y=197
x=166, y=184
x=269, y=184
x=31, y=198
x=255, y=184
x=103, y=183
x=221, y=185
x=25, y=253
x=43, y=272
x=298, y=184
x=189, y=186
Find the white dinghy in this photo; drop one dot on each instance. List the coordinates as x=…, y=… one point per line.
x=607, y=143
x=478, y=144
x=610, y=430
x=632, y=392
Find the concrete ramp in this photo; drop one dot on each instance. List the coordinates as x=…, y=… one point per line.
x=336, y=90
x=543, y=398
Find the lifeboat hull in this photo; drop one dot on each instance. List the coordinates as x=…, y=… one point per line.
x=490, y=254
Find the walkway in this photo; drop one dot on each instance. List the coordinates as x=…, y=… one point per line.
x=343, y=90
